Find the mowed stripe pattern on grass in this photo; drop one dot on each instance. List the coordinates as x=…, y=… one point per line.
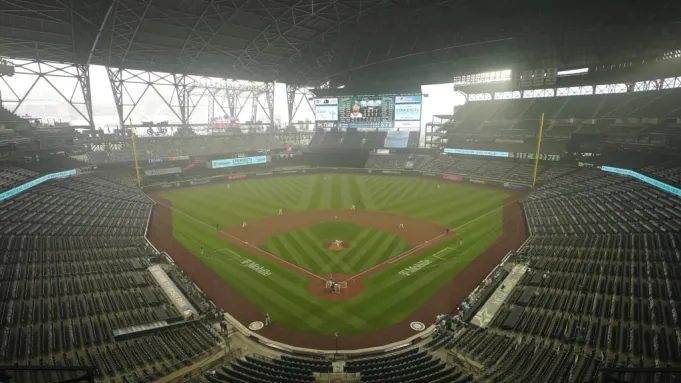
x=306, y=248
x=388, y=297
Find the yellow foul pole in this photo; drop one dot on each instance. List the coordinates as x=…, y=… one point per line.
x=134, y=153
x=536, y=155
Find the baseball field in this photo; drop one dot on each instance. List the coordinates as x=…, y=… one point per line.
x=405, y=239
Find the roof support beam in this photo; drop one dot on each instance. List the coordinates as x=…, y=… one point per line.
x=206, y=28
x=128, y=17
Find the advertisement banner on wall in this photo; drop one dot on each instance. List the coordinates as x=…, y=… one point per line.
x=476, y=152
x=242, y=161
x=452, y=177
x=429, y=174
x=178, y=158
x=476, y=181
x=396, y=139
x=160, y=172
x=508, y=185
x=237, y=176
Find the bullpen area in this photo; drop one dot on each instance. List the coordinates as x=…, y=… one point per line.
x=362, y=255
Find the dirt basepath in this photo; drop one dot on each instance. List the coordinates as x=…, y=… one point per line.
x=444, y=301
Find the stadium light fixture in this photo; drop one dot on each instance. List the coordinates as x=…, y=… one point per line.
x=572, y=72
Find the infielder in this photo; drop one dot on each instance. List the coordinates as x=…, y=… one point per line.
x=353, y=207
x=201, y=249
x=243, y=224
x=401, y=226
x=281, y=211
x=267, y=319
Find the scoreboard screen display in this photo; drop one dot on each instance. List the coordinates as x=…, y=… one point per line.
x=369, y=112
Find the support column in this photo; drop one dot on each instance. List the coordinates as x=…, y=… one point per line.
x=116, y=82
x=254, y=107
x=269, y=94
x=291, y=101
x=84, y=81
x=180, y=83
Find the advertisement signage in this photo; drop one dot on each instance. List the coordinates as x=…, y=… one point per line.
x=651, y=181
x=408, y=112
x=237, y=176
x=408, y=99
x=413, y=125
x=231, y=162
x=476, y=152
x=396, y=139
x=508, y=185
x=178, y=158
x=475, y=181
x=326, y=113
x=155, y=160
x=452, y=177
x=326, y=101
x=160, y=172
x=12, y=192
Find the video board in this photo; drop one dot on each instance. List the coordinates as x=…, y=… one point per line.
x=369, y=112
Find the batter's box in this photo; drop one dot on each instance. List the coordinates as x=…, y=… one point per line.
x=441, y=255
x=338, y=287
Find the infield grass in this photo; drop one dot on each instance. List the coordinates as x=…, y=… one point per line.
x=305, y=247
x=389, y=296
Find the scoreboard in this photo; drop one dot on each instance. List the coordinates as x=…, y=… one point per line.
x=369, y=112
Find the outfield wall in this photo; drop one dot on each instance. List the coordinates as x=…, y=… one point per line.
x=393, y=172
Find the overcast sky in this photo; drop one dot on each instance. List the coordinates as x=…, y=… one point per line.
x=46, y=103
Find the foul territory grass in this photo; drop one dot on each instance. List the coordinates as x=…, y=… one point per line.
x=306, y=247
x=389, y=296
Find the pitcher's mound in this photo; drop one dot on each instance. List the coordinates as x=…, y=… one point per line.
x=336, y=245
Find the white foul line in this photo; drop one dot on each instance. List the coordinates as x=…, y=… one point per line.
x=245, y=243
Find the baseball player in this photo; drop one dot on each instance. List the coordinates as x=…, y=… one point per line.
x=243, y=224
x=217, y=227
x=201, y=249
x=353, y=207
x=438, y=186
x=281, y=211
x=401, y=226
x=228, y=186
x=267, y=319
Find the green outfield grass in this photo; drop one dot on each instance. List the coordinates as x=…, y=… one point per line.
x=305, y=247
x=389, y=295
